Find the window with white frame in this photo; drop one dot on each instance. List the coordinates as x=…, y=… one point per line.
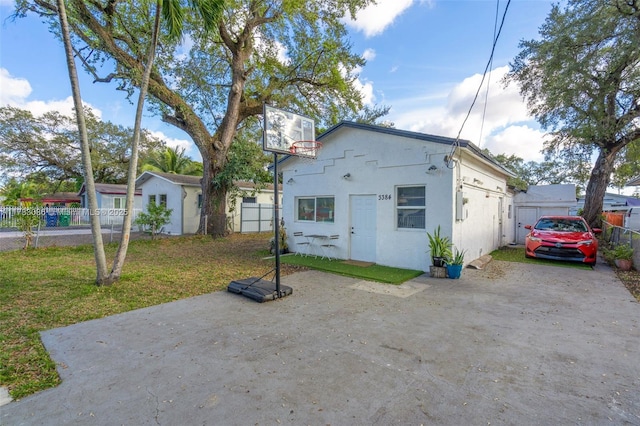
x=315, y=209
x=152, y=199
x=411, y=207
x=163, y=199
x=119, y=202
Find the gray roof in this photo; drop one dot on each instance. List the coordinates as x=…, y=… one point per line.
x=109, y=188
x=184, y=180
x=633, y=182
x=419, y=136
x=187, y=180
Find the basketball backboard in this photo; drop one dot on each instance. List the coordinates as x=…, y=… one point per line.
x=283, y=128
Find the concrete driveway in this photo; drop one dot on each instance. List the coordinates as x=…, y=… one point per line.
x=511, y=344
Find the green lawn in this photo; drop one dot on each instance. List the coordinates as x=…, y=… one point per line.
x=383, y=274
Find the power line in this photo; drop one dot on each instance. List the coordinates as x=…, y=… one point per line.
x=456, y=143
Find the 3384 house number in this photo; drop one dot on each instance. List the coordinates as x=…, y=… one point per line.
x=384, y=197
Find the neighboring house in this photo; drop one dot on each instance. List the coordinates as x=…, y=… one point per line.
x=180, y=193
x=610, y=202
x=539, y=200
x=183, y=194
x=58, y=199
x=634, y=182
x=110, y=196
x=382, y=189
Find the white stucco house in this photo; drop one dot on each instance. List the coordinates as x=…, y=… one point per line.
x=183, y=194
x=380, y=190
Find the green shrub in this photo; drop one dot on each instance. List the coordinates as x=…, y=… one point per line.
x=158, y=215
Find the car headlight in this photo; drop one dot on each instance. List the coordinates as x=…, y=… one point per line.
x=534, y=239
x=585, y=243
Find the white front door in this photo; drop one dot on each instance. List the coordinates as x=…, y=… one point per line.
x=363, y=227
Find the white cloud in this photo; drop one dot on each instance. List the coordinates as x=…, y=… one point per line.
x=15, y=92
x=369, y=55
x=523, y=141
x=366, y=89
x=504, y=128
x=374, y=19
x=190, y=149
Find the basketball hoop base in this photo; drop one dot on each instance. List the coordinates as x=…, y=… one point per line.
x=258, y=289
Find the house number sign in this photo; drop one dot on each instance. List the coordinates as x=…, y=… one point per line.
x=384, y=197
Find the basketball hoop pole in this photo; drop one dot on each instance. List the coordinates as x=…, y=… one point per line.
x=276, y=221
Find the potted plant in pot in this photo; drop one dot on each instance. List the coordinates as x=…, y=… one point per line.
x=455, y=264
x=622, y=256
x=439, y=248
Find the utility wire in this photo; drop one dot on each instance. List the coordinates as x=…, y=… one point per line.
x=486, y=94
x=456, y=143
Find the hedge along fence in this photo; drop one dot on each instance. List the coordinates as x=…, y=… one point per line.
x=617, y=235
x=64, y=216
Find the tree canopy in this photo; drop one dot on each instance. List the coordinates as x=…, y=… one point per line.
x=289, y=54
x=582, y=82
x=45, y=148
x=172, y=160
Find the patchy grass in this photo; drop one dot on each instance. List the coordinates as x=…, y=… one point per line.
x=383, y=274
x=53, y=287
x=630, y=279
x=516, y=254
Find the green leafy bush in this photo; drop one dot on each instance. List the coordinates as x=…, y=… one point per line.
x=156, y=217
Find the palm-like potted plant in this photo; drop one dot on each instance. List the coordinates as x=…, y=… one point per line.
x=439, y=247
x=455, y=264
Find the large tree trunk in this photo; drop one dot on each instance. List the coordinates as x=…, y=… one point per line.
x=597, y=186
x=90, y=189
x=213, y=218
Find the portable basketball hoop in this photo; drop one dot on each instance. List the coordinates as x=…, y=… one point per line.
x=284, y=133
x=307, y=150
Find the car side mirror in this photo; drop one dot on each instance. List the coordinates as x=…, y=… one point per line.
x=596, y=230
x=528, y=227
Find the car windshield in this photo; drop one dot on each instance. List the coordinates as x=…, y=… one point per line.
x=562, y=225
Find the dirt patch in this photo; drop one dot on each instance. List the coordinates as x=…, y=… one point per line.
x=631, y=280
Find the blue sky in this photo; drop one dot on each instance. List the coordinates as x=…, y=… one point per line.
x=425, y=60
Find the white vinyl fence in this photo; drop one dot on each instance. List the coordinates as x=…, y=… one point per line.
x=256, y=218
x=64, y=216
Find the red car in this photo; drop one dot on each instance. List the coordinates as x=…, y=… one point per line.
x=562, y=238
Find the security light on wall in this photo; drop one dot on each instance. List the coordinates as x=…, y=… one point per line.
x=290, y=181
x=347, y=176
